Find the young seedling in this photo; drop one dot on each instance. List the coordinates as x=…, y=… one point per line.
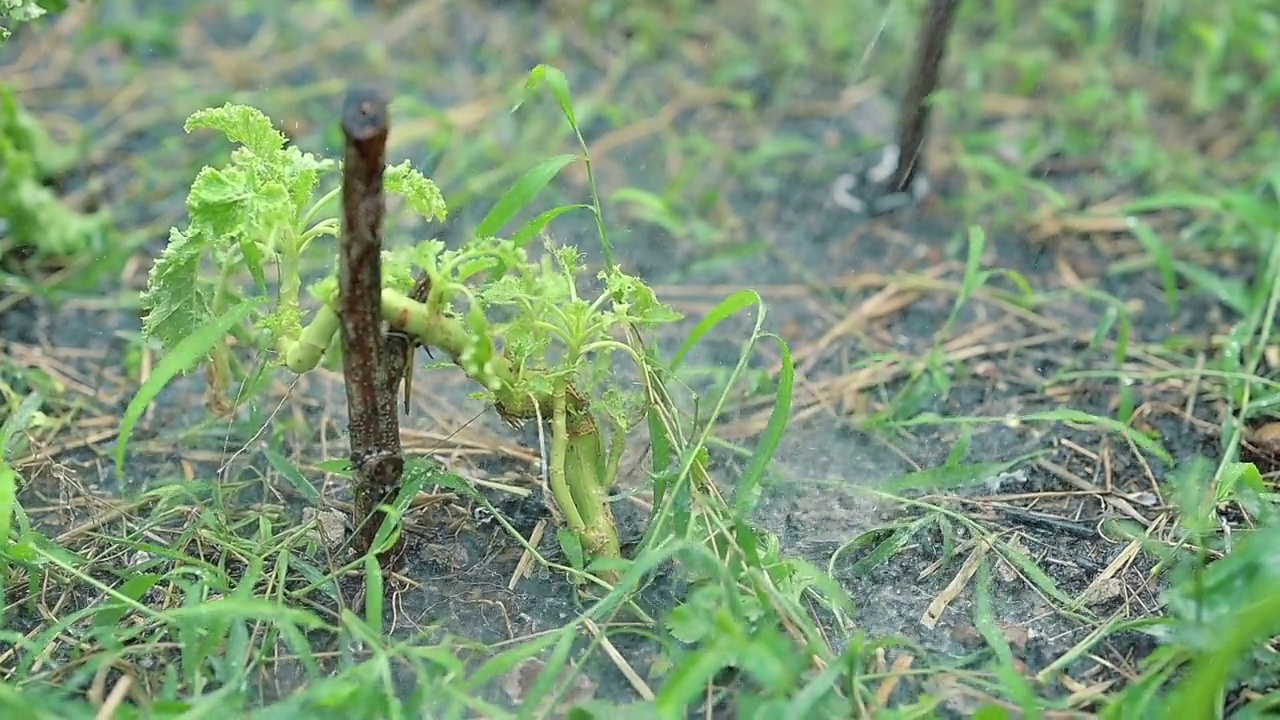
x=539, y=348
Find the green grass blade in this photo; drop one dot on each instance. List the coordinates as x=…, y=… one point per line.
x=8, y=501
x=555, y=80
x=411, y=483
x=552, y=676
x=114, y=611
x=247, y=608
x=727, y=308
x=523, y=192
x=534, y=227
x=751, y=484
x=507, y=661
x=373, y=593
x=887, y=547
x=984, y=619
x=1068, y=415
x=8, y=504
x=1036, y=575
x=950, y=477
x=285, y=467
x=1174, y=201
x=192, y=350
x=1199, y=694
x=1229, y=291
x=21, y=419
x=973, y=275
x=689, y=679
x=1159, y=252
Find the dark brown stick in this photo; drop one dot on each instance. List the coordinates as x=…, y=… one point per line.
x=913, y=118
x=370, y=365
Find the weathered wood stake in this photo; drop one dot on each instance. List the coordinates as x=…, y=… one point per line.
x=913, y=118
x=372, y=364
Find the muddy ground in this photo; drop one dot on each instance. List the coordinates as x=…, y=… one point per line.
x=835, y=283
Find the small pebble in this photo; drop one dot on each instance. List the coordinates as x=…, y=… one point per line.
x=1267, y=438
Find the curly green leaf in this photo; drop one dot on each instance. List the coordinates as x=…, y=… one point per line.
x=173, y=301
x=241, y=124
x=421, y=193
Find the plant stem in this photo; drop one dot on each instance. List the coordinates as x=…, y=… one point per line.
x=596, y=209
x=219, y=372
x=316, y=231
x=617, y=444
x=604, y=346
x=317, y=207
x=451, y=335
x=556, y=472
x=577, y=476
x=583, y=476
x=304, y=354
x=290, y=275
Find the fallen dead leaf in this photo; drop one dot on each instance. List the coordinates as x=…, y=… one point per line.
x=933, y=613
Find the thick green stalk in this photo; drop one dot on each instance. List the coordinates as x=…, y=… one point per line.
x=578, y=474
x=575, y=482
x=219, y=372
x=304, y=354
x=290, y=275
x=583, y=475
x=451, y=335
x=557, y=477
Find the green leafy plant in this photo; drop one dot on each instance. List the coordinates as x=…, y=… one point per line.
x=525, y=329
x=541, y=344
x=35, y=216
x=20, y=11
